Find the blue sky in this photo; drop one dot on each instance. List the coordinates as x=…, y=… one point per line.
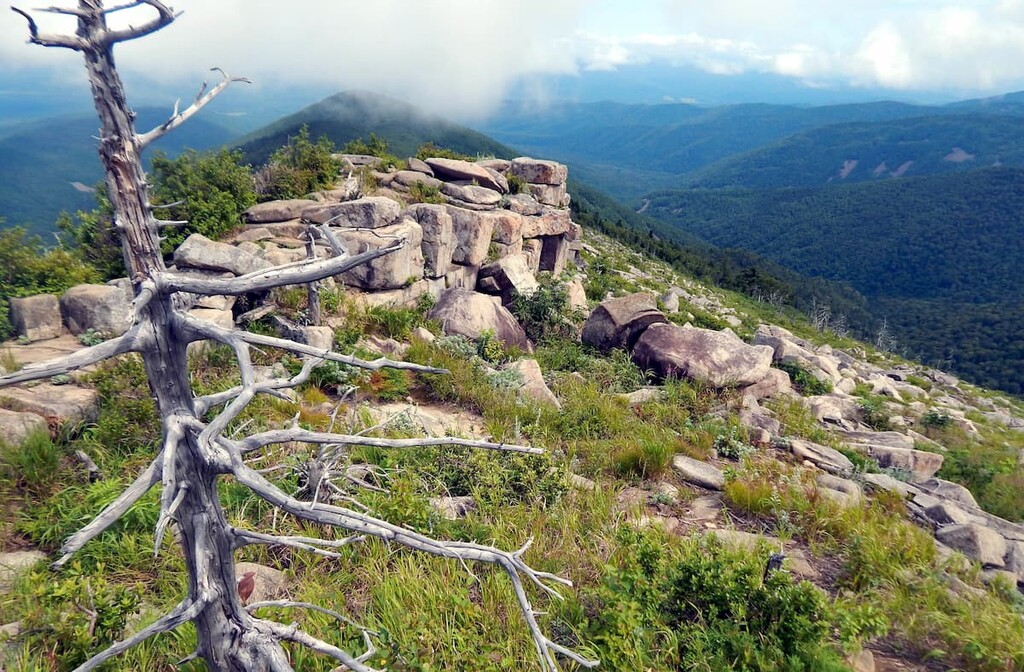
x=461, y=57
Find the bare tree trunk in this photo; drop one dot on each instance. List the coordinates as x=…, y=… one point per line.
x=196, y=454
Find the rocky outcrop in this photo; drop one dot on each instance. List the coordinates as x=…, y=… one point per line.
x=507, y=277
x=372, y=212
x=438, y=244
x=718, y=358
x=16, y=426
x=390, y=271
x=699, y=473
x=464, y=170
x=277, y=211
x=470, y=314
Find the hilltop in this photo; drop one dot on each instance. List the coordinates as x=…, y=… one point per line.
x=691, y=433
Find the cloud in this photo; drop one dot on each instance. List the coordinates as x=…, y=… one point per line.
x=445, y=55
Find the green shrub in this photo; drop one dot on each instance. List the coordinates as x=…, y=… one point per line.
x=432, y=151
x=544, y=313
x=645, y=458
x=421, y=192
x=517, y=185
x=935, y=420
x=299, y=168
x=378, y=147
x=212, y=188
x=876, y=413
x=74, y=615
x=732, y=444
x=32, y=465
x=805, y=382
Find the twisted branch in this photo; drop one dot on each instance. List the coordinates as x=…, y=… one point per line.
x=72, y=42
x=178, y=118
x=245, y=538
x=165, y=17
x=86, y=357
x=258, y=441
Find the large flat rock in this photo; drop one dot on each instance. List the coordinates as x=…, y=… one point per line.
x=699, y=473
x=61, y=403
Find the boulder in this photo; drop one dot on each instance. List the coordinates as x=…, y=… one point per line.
x=531, y=250
x=699, y=473
x=277, y=211
x=887, y=483
x=102, y=308
x=539, y=172
x=949, y=490
x=419, y=166
x=473, y=232
x=524, y=204
x=920, y=464
x=461, y=277
x=59, y=403
x=829, y=459
x=550, y=195
x=37, y=318
x=838, y=484
x=390, y=271
x=718, y=358
x=471, y=193
x=471, y=314
x=16, y=426
x=1014, y=559
x=321, y=338
x=619, y=322
x=549, y=223
x=200, y=252
x=947, y=513
x=253, y=234
x=888, y=439
x=507, y=277
x=775, y=383
x=577, y=296
x=976, y=542
x=453, y=169
x=453, y=508
x=835, y=409
x=438, y=238
x=534, y=387
x=407, y=178
x=258, y=583
x=372, y=212
x=498, y=178
x=500, y=165
x=508, y=227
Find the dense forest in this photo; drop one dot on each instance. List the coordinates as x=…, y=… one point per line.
x=940, y=258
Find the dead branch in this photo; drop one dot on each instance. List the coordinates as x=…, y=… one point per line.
x=85, y=357
x=165, y=17
x=511, y=562
x=248, y=538
x=288, y=604
x=291, y=633
x=72, y=42
x=183, y=613
x=299, y=273
x=205, y=403
x=178, y=118
x=112, y=513
x=258, y=441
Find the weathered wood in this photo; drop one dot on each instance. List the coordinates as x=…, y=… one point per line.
x=194, y=455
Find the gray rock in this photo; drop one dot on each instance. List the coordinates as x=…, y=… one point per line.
x=888, y=439
x=498, y=178
x=829, y=459
x=976, y=542
x=438, y=238
x=254, y=234
x=321, y=338
x=644, y=395
x=453, y=169
x=59, y=403
x=921, y=465
x=372, y=212
x=420, y=166
x=949, y=490
x=1014, y=559
x=534, y=387
x=101, y=308
x=524, y=204
x=508, y=227
x=747, y=541
x=549, y=223
x=705, y=509
x=699, y=473
x=670, y=302
x=461, y=277
x=551, y=195
x=37, y=318
x=888, y=483
x=200, y=252
x=268, y=583
x=843, y=499
x=453, y=508
x=539, y=172
x=947, y=513
x=776, y=382
x=390, y=271
x=423, y=334
x=407, y=178
x=16, y=426
x=844, y=485
x=532, y=250
x=277, y=211
x=576, y=294
x=507, y=277
x=717, y=358
x=471, y=314
x=470, y=193
x=619, y=322
x=473, y=232
x=17, y=562
x=500, y=165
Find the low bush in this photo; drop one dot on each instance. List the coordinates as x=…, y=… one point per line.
x=805, y=382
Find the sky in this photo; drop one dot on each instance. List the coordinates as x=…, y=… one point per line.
x=462, y=57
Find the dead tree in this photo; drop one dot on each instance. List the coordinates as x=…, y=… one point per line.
x=195, y=455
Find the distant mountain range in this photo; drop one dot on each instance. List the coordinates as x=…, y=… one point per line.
x=50, y=166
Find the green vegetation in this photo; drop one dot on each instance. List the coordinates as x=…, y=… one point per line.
x=298, y=168
x=804, y=381
x=27, y=268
